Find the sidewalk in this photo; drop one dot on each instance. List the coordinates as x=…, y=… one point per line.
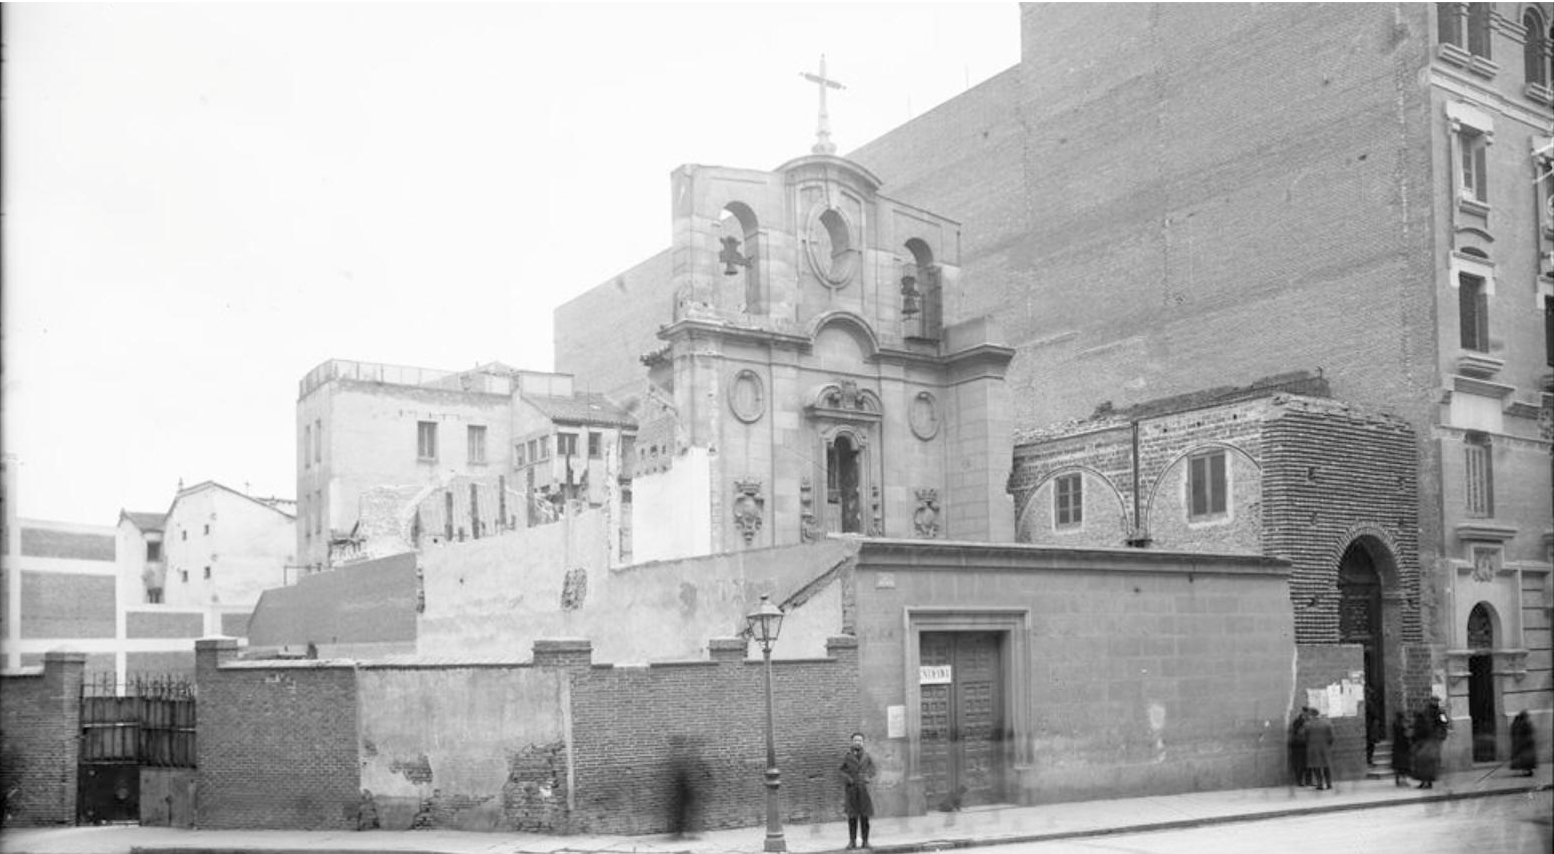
x=933, y=832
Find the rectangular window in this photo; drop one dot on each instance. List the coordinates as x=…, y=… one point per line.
x=183, y=576
x=1448, y=24
x=183, y=534
x=426, y=440
x=1479, y=29
x=566, y=444
x=1068, y=498
x=318, y=511
x=318, y=440
x=307, y=445
x=154, y=551
x=1548, y=330
x=544, y=447
x=1479, y=480
x=519, y=459
x=207, y=530
x=594, y=442
x=207, y=572
x=1473, y=312
x=1206, y=484
x=477, y=445
x=1473, y=171
x=154, y=595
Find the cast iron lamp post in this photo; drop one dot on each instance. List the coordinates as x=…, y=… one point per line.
x=764, y=623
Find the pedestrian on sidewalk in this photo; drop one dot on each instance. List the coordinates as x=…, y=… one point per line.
x=1402, y=750
x=1430, y=728
x=1298, y=745
x=857, y=774
x=1319, y=743
x=1524, y=744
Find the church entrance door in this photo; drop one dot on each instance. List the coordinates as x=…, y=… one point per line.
x=962, y=718
x=844, y=502
x=1359, y=622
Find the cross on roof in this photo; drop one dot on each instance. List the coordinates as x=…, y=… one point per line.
x=823, y=144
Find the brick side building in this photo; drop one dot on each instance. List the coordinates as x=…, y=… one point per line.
x=1326, y=486
x=1146, y=220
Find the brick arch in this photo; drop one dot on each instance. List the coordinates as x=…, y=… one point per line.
x=1154, y=488
x=1030, y=494
x=1379, y=544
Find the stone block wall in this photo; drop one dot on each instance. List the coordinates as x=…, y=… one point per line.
x=40, y=729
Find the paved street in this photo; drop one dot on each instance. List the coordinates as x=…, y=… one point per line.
x=1510, y=824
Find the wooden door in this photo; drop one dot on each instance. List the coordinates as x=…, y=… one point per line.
x=962, y=745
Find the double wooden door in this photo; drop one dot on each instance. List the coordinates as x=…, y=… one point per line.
x=962, y=744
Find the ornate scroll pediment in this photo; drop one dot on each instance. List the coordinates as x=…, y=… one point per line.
x=843, y=400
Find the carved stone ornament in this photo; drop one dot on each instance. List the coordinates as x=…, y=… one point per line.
x=747, y=396
x=926, y=518
x=809, y=528
x=877, y=519
x=749, y=508
x=844, y=396
x=1484, y=564
x=924, y=416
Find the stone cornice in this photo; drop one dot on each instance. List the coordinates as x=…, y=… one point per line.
x=951, y=556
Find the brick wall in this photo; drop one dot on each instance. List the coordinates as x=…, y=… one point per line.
x=277, y=742
x=635, y=728
x=485, y=747
x=632, y=306
x=152, y=624
x=40, y=722
x=67, y=605
x=1318, y=666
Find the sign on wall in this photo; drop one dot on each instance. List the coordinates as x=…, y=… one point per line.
x=934, y=674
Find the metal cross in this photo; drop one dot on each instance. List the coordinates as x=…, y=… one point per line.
x=823, y=144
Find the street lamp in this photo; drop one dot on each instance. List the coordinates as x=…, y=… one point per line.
x=764, y=623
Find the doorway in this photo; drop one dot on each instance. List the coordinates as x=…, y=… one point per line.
x=1481, y=683
x=1359, y=622
x=843, y=479
x=962, y=705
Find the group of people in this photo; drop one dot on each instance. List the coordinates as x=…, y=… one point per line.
x=1416, y=746
x=1311, y=747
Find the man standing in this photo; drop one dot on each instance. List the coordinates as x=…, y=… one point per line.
x=1319, y=742
x=857, y=774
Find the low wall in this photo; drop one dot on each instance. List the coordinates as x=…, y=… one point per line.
x=276, y=741
x=555, y=745
x=40, y=728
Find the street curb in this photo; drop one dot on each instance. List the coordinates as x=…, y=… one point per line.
x=934, y=845
x=1181, y=824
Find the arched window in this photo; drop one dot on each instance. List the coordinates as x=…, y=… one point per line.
x=1481, y=628
x=739, y=233
x=1533, y=61
x=924, y=293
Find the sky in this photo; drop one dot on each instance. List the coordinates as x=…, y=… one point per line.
x=202, y=202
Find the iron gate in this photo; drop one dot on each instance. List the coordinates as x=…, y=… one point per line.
x=145, y=722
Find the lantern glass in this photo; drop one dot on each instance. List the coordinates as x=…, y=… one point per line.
x=765, y=622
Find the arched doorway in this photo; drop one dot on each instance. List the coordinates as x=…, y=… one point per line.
x=843, y=480
x=1481, y=682
x=1359, y=622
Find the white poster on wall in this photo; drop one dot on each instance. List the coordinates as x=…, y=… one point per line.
x=895, y=721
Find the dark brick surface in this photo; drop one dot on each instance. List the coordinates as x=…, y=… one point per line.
x=40, y=721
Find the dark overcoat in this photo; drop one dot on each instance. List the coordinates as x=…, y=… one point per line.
x=1524, y=745
x=1319, y=742
x=857, y=774
x=1402, y=748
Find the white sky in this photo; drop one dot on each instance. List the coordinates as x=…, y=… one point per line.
x=203, y=202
